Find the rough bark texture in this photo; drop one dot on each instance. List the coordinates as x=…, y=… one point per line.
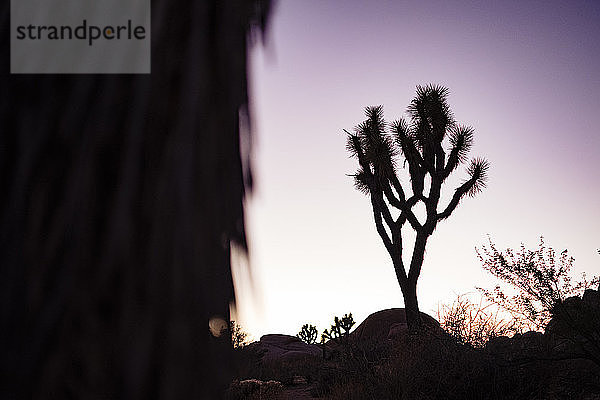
x=119, y=198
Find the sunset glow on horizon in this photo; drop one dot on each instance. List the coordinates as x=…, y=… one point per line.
x=524, y=75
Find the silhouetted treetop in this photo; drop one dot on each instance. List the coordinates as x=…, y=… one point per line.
x=419, y=141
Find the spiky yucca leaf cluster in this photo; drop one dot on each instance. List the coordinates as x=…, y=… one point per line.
x=420, y=142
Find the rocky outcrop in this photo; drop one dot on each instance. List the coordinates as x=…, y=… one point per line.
x=276, y=347
x=575, y=326
x=381, y=351
x=527, y=346
x=388, y=324
x=572, y=333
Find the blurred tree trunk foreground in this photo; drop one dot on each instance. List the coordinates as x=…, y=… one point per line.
x=119, y=198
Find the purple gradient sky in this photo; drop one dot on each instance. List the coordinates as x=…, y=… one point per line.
x=525, y=75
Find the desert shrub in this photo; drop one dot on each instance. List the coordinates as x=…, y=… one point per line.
x=253, y=389
x=435, y=366
x=285, y=370
x=473, y=323
x=429, y=365
x=353, y=375
x=308, y=334
x=540, y=278
x=239, y=338
x=357, y=385
x=353, y=370
x=425, y=366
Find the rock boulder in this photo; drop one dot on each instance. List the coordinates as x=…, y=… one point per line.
x=387, y=324
x=276, y=347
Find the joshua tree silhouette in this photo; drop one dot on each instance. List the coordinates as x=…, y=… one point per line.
x=308, y=334
x=340, y=329
x=421, y=143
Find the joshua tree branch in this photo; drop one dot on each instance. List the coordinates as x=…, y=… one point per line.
x=439, y=160
x=399, y=203
x=412, y=155
x=404, y=206
x=431, y=204
x=380, y=228
x=385, y=211
x=397, y=257
x=452, y=163
x=460, y=192
x=398, y=188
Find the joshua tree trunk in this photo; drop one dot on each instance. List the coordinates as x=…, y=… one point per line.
x=409, y=291
x=408, y=285
x=411, y=305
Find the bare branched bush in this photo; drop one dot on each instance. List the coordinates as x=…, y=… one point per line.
x=473, y=323
x=540, y=277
